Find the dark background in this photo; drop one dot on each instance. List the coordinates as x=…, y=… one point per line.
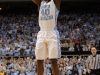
x=70, y=5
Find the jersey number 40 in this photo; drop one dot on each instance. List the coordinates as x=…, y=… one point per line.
x=45, y=12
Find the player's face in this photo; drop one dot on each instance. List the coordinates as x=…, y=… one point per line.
x=93, y=51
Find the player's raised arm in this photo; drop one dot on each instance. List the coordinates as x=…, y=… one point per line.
x=37, y=2
x=57, y=3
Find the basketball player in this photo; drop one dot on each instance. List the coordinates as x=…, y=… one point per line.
x=93, y=64
x=48, y=45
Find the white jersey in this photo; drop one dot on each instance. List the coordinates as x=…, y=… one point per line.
x=48, y=15
x=48, y=44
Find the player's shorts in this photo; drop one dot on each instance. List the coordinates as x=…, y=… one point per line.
x=48, y=45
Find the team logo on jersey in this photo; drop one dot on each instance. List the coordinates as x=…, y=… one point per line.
x=45, y=12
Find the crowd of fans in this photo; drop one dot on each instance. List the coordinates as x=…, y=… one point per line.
x=17, y=35
x=81, y=30
x=18, y=32
x=75, y=65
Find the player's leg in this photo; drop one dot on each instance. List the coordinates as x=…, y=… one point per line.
x=40, y=56
x=54, y=66
x=40, y=67
x=54, y=51
x=40, y=52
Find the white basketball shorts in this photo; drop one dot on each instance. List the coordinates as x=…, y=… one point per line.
x=48, y=45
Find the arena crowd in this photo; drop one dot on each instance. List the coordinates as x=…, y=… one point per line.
x=18, y=36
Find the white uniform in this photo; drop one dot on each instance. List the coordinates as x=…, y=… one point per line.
x=48, y=44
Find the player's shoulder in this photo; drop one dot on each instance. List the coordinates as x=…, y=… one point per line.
x=57, y=3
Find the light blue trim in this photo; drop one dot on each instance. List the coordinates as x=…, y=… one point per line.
x=58, y=42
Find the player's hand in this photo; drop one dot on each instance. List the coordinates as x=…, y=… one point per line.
x=89, y=71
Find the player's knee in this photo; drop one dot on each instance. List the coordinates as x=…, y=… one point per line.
x=53, y=61
x=40, y=62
